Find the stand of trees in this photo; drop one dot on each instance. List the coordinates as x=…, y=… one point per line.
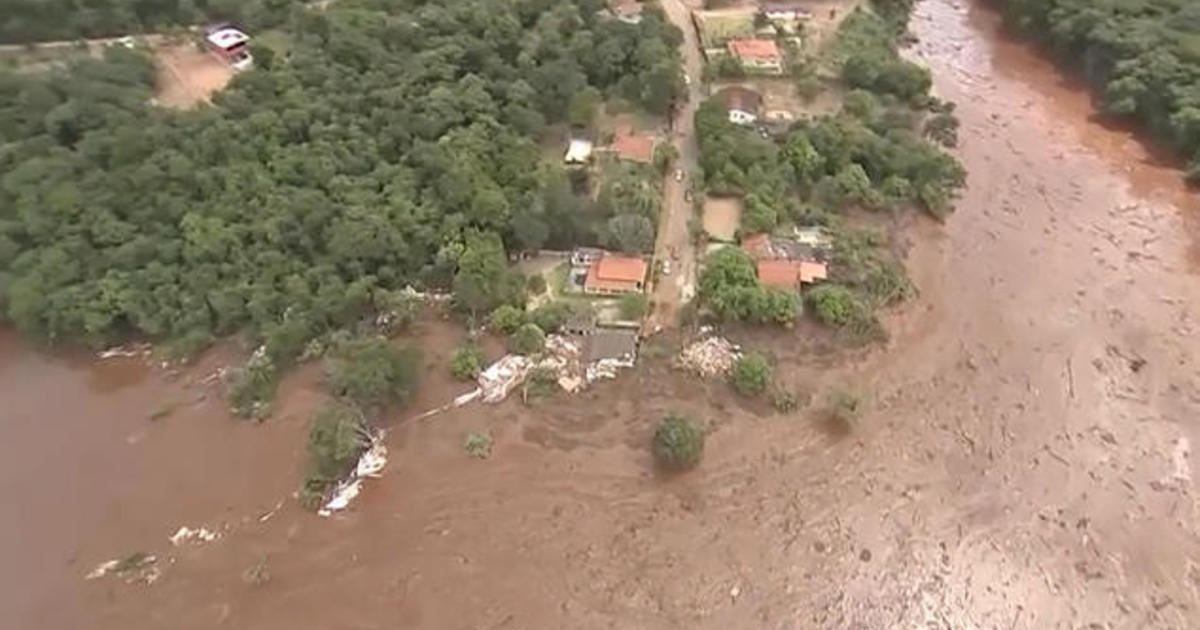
x=1142, y=57
x=393, y=146
x=25, y=21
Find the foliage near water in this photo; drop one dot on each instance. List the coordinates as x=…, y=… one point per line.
x=372, y=373
x=466, y=362
x=1143, y=57
x=394, y=146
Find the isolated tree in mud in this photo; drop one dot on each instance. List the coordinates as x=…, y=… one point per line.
x=751, y=374
x=678, y=443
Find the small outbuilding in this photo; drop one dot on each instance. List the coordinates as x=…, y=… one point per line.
x=743, y=104
x=579, y=152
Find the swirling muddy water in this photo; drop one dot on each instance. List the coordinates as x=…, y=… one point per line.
x=1027, y=461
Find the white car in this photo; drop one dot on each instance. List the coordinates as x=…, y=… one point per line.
x=678, y=174
x=666, y=267
x=687, y=80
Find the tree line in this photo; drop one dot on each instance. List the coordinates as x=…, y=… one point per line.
x=1142, y=57
x=394, y=146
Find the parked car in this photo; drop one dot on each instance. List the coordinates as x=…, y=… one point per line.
x=678, y=174
x=666, y=267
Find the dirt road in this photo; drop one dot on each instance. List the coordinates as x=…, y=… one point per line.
x=674, y=241
x=1028, y=461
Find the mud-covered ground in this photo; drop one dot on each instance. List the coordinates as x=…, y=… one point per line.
x=1027, y=461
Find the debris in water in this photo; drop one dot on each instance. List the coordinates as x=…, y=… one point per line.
x=125, y=351
x=136, y=567
x=187, y=534
x=370, y=464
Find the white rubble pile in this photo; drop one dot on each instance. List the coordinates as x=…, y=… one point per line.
x=139, y=567
x=370, y=464
x=503, y=376
x=709, y=357
x=196, y=535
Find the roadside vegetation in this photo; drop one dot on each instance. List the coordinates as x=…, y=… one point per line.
x=879, y=154
x=1143, y=59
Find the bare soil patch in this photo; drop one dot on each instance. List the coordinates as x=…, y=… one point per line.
x=722, y=216
x=187, y=75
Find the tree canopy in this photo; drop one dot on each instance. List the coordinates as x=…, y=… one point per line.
x=394, y=145
x=1143, y=57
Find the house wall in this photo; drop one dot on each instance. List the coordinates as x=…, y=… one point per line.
x=740, y=117
x=774, y=66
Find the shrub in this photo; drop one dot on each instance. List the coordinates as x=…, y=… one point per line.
x=371, y=372
x=478, y=445
x=253, y=386
x=466, y=362
x=845, y=407
x=751, y=374
x=335, y=440
x=542, y=382
x=784, y=400
x=678, y=443
x=634, y=306
x=833, y=305
x=528, y=339
x=536, y=284
x=507, y=319
x=551, y=316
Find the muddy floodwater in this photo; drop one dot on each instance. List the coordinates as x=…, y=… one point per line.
x=1028, y=460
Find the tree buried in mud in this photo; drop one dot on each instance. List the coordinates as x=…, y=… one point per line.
x=336, y=438
x=678, y=443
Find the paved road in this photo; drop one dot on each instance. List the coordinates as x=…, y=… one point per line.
x=674, y=242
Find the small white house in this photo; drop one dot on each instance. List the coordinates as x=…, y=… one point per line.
x=578, y=152
x=743, y=104
x=230, y=44
x=785, y=11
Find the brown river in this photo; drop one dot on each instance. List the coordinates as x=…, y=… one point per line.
x=1028, y=460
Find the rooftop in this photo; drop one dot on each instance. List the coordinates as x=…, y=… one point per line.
x=227, y=37
x=633, y=146
x=610, y=343
x=782, y=7
x=622, y=268
x=578, y=152
x=788, y=274
x=625, y=8
x=765, y=246
x=754, y=48
x=740, y=98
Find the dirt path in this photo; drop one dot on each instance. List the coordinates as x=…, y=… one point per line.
x=674, y=241
x=1028, y=462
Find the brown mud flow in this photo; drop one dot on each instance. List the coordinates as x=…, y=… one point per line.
x=1027, y=462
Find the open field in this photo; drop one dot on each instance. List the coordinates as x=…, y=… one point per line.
x=722, y=216
x=187, y=75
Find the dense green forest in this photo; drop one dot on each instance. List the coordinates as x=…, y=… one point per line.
x=23, y=21
x=1143, y=57
x=394, y=145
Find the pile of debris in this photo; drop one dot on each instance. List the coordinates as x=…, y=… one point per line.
x=561, y=357
x=709, y=357
x=503, y=376
x=370, y=464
